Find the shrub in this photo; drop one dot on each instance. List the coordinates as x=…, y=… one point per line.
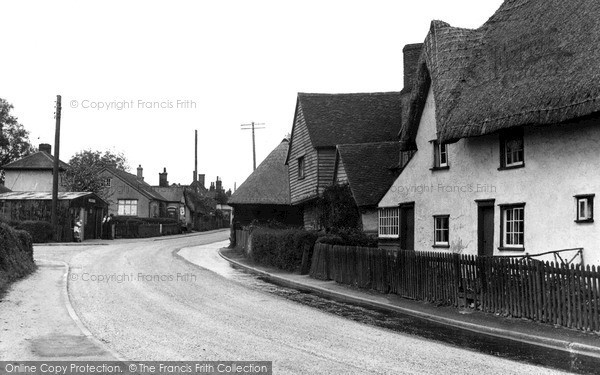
x=40, y=231
x=283, y=248
x=349, y=237
x=16, y=255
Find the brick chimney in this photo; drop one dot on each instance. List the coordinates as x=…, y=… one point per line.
x=201, y=179
x=411, y=52
x=45, y=147
x=219, y=184
x=140, y=172
x=162, y=179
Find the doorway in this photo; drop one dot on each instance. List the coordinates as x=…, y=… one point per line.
x=407, y=226
x=485, y=228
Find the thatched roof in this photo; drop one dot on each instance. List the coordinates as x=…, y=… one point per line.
x=371, y=169
x=334, y=119
x=534, y=62
x=269, y=183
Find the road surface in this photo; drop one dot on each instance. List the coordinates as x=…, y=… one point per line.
x=145, y=303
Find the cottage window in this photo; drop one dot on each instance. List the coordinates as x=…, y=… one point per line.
x=106, y=182
x=440, y=155
x=441, y=231
x=585, y=208
x=127, y=207
x=511, y=149
x=301, y=166
x=389, y=222
x=513, y=227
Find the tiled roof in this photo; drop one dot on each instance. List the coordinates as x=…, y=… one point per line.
x=334, y=119
x=136, y=183
x=371, y=169
x=170, y=193
x=534, y=62
x=269, y=183
x=43, y=195
x=38, y=160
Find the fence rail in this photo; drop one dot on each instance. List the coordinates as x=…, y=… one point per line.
x=549, y=292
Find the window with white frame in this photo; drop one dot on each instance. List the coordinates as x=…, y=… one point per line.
x=511, y=149
x=585, y=208
x=440, y=155
x=127, y=207
x=106, y=182
x=389, y=225
x=513, y=226
x=441, y=230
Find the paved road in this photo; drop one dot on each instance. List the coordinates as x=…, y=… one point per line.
x=158, y=306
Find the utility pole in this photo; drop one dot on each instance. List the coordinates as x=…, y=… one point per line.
x=253, y=126
x=55, y=171
x=196, y=156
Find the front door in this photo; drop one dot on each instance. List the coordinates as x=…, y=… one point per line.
x=485, y=229
x=407, y=227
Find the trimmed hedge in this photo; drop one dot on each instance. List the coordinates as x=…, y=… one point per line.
x=16, y=255
x=282, y=248
x=40, y=231
x=349, y=238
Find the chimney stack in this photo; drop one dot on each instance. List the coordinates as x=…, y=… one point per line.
x=162, y=179
x=219, y=184
x=140, y=172
x=411, y=52
x=201, y=179
x=45, y=147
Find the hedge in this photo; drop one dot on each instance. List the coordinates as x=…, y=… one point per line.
x=40, y=231
x=16, y=255
x=284, y=248
x=351, y=237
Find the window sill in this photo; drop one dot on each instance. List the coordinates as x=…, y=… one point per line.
x=504, y=248
x=301, y=178
x=433, y=169
x=584, y=221
x=441, y=246
x=504, y=168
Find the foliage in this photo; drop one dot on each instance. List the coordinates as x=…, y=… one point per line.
x=203, y=205
x=338, y=209
x=16, y=255
x=14, y=139
x=283, y=249
x=349, y=237
x=40, y=231
x=85, y=166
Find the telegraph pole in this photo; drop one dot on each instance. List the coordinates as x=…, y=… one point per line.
x=253, y=126
x=54, y=215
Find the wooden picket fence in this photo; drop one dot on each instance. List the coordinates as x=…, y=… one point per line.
x=549, y=292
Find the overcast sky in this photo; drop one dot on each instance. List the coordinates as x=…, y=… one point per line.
x=226, y=62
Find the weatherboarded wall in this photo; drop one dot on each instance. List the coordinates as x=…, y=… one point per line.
x=302, y=188
x=560, y=161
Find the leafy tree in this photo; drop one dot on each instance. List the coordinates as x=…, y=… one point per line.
x=338, y=210
x=84, y=170
x=14, y=139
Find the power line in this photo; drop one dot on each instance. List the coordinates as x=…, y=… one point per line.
x=253, y=126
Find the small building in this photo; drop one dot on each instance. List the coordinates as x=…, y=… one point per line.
x=37, y=206
x=129, y=195
x=33, y=172
x=265, y=195
x=176, y=207
x=369, y=169
x=505, y=126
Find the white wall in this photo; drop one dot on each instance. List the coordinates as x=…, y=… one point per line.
x=560, y=161
x=29, y=180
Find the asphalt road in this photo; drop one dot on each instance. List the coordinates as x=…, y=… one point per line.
x=145, y=303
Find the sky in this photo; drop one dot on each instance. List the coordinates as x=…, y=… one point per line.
x=138, y=77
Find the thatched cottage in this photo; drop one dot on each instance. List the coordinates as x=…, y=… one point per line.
x=505, y=121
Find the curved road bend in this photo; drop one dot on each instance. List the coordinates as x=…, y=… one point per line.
x=162, y=308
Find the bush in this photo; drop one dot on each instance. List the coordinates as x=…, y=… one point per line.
x=40, y=231
x=16, y=255
x=282, y=248
x=349, y=237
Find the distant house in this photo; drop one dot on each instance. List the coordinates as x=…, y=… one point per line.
x=176, y=207
x=33, y=172
x=369, y=169
x=265, y=195
x=504, y=122
x=323, y=121
x=129, y=195
x=36, y=206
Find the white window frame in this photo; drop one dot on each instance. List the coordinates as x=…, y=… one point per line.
x=512, y=157
x=587, y=201
x=106, y=182
x=509, y=232
x=127, y=207
x=389, y=222
x=439, y=229
x=440, y=151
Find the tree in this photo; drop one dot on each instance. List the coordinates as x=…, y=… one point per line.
x=83, y=173
x=14, y=138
